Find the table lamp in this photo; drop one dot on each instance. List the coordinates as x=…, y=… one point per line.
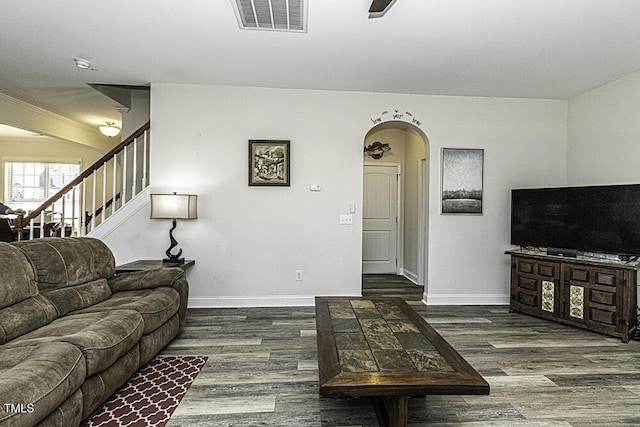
x=174, y=206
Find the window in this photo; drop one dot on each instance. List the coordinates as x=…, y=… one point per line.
x=28, y=184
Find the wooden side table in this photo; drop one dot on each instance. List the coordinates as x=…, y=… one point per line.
x=151, y=264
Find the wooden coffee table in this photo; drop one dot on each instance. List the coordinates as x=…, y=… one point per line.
x=381, y=347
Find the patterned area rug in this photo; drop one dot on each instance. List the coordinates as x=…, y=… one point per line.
x=151, y=395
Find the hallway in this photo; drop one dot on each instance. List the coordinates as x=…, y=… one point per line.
x=390, y=285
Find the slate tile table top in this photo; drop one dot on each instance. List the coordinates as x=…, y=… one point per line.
x=381, y=347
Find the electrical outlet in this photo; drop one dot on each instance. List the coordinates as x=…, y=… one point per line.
x=299, y=275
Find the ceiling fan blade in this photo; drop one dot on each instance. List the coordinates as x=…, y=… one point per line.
x=378, y=6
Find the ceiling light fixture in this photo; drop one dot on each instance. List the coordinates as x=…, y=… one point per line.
x=109, y=129
x=82, y=63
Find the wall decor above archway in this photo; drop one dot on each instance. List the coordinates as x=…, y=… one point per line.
x=396, y=115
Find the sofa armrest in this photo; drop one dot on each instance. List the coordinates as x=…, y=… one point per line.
x=147, y=279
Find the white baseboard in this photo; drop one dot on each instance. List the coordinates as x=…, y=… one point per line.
x=466, y=299
x=309, y=300
x=409, y=275
x=268, y=301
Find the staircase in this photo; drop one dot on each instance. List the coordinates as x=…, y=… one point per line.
x=95, y=195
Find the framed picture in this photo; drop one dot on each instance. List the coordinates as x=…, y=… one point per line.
x=462, y=171
x=269, y=163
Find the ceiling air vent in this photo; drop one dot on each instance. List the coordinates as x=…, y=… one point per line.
x=278, y=15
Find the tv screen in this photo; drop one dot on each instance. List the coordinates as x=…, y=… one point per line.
x=602, y=219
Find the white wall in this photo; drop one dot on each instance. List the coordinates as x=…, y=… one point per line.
x=603, y=134
x=248, y=241
x=138, y=114
x=524, y=143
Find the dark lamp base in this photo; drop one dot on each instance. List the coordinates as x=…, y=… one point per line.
x=173, y=261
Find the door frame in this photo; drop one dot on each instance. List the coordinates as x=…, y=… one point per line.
x=423, y=229
x=399, y=211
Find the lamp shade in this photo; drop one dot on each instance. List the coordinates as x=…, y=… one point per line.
x=174, y=206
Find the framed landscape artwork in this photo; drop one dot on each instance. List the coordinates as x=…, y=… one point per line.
x=462, y=171
x=269, y=163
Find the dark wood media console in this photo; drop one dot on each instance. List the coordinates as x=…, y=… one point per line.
x=590, y=293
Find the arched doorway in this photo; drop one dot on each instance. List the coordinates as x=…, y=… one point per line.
x=401, y=250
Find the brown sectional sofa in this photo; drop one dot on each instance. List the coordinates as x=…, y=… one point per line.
x=72, y=332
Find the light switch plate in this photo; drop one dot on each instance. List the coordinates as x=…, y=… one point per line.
x=346, y=219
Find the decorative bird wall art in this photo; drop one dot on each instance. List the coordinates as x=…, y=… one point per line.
x=377, y=149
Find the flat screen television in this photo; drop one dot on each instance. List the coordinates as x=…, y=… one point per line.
x=602, y=219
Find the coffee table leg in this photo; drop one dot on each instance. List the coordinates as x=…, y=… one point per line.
x=381, y=411
x=399, y=414
x=400, y=408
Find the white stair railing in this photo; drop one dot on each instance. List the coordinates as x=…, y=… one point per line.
x=95, y=195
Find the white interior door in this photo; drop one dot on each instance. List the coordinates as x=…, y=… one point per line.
x=380, y=219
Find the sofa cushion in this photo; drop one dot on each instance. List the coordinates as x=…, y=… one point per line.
x=22, y=309
x=36, y=379
x=152, y=343
x=73, y=298
x=155, y=305
x=24, y=317
x=60, y=262
x=70, y=272
x=16, y=275
x=97, y=388
x=101, y=336
x=67, y=414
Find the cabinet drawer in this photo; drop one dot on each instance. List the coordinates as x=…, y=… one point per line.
x=530, y=283
x=595, y=276
x=538, y=268
x=527, y=300
x=602, y=297
x=602, y=316
x=606, y=278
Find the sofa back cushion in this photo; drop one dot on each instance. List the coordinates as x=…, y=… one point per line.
x=77, y=297
x=71, y=272
x=22, y=309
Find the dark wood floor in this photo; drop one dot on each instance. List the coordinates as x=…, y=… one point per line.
x=262, y=371
x=389, y=285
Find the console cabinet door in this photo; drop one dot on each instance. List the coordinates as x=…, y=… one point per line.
x=535, y=287
x=594, y=296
